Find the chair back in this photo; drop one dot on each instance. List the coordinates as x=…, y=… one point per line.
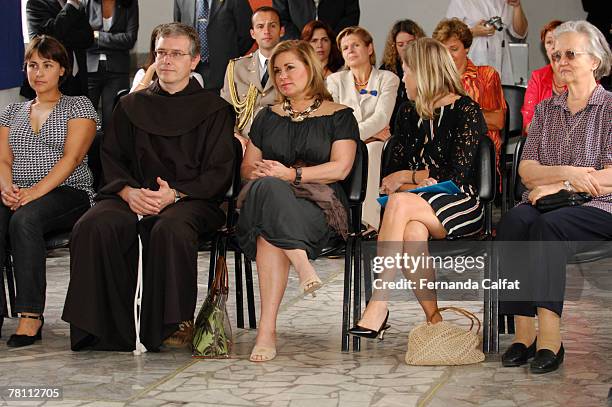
x=517, y=187
x=355, y=183
x=485, y=170
x=234, y=189
x=514, y=95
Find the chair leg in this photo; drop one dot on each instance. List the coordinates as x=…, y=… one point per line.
x=510, y=319
x=10, y=282
x=367, y=273
x=346, y=300
x=356, y=253
x=239, y=294
x=248, y=271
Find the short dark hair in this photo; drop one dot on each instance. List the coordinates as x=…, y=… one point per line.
x=266, y=9
x=49, y=48
x=178, y=30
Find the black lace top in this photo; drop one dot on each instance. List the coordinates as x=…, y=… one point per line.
x=447, y=144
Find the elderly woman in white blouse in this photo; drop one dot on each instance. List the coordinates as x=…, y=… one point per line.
x=371, y=93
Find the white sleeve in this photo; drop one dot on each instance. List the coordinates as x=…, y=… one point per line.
x=137, y=78
x=456, y=8
x=384, y=107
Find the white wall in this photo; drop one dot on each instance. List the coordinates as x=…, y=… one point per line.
x=379, y=15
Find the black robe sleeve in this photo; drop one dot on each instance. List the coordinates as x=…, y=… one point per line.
x=117, y=153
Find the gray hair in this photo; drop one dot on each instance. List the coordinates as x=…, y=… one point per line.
x=181, y=30
x=597, y=45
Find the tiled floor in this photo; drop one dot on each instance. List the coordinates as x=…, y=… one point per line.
x=310, y=370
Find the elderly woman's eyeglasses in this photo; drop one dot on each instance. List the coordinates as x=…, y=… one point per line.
x=161, y=54
x=569, y=54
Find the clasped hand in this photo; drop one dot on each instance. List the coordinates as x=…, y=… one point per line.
x=14, y=197
x=144, y=201
x=272, y=168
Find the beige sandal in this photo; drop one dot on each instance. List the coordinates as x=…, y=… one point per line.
x=262, y=353
x=311, y=285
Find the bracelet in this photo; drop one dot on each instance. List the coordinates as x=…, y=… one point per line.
x=298, y=176
x=144, y=84
x=414, y=176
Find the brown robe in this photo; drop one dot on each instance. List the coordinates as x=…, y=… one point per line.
x=186, y=139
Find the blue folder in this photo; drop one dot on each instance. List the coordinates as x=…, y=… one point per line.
x=445, y=187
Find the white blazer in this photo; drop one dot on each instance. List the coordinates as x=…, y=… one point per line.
x=373, y=112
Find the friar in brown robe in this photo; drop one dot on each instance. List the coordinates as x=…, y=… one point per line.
x=184, y=139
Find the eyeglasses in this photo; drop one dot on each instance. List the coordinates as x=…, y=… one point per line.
x=161, y=54
x=569, y=54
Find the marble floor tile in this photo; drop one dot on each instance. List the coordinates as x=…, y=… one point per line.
x=310, y=370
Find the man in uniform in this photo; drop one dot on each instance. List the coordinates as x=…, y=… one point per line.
x=248, y=85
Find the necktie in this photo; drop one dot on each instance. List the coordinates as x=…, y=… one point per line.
x=264, y=78
x=202, y=27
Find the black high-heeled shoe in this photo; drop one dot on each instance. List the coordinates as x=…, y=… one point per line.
x=17, y=341
x=358, y=330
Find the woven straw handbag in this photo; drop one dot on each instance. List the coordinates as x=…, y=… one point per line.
x=444, y=343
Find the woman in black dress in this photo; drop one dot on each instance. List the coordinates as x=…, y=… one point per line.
x=441, y=131
x=299, y=150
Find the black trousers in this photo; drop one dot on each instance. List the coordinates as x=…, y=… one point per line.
x=25, y=228
x=574, y=228
x=105, y=85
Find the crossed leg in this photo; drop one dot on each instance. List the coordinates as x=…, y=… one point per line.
x=410, y=219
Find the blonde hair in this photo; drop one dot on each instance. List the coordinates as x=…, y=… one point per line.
x=434, y=72
x=305, y=53
x=363, y=34
x=390, y=55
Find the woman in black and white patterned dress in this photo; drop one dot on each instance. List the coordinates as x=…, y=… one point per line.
x=441, y=128
x=45, y=183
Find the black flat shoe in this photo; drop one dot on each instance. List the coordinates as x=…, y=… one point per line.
x=17, y=341
x=546, y=361
x=370, y=236
x=370, y=333
x=518, y=354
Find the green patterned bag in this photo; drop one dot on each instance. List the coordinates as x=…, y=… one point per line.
x=212, y=338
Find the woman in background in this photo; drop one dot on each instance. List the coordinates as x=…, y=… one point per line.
x=402, y=33
x=544, y=82
x=371, y=93
x=115, y=25
x=322, y=38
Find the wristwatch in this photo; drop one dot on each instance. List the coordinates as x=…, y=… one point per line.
x=568, y=186
x=298, y=176
x=177, y=196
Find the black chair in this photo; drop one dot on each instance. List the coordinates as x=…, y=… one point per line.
x=512, y=132
x=506, y=322
x=486, y=182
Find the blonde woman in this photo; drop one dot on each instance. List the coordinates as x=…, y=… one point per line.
x=441, y=131
x=371, y=93
x=300, y=148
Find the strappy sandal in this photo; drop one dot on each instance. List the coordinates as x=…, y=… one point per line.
x=262, y=353
x=310, y=285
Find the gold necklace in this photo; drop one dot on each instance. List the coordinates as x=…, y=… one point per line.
x=299, y=116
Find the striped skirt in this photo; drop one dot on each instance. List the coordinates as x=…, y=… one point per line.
x=460, y=214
